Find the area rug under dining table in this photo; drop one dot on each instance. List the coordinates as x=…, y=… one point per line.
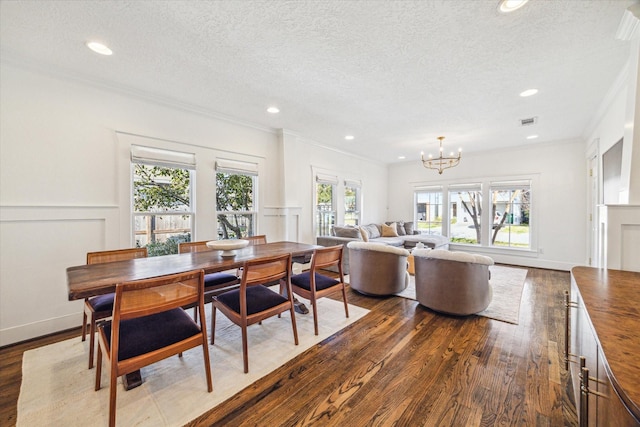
x=58, y=390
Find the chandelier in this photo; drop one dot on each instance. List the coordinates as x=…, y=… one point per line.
x=442, y=162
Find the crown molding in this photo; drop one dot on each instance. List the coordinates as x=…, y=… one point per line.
x=629, y=27
x=59, y=73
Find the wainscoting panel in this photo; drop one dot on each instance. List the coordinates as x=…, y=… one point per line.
x=38, y=244
x=282, y=222
x=620, y=237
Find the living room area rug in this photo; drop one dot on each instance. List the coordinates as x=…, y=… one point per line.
x=58, y=390
x=507, y=284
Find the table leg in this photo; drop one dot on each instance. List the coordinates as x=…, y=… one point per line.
x=299, y=307
x=132, y=380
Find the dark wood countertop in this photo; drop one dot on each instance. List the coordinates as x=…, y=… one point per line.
x=612, y=301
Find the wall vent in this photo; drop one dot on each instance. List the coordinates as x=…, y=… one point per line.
x=528, y=122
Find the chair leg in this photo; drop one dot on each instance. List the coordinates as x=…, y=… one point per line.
x=195, y=314
x=112, y=396
x=205, y=349
x=213, y=323
x=84, y=325
x=293, y=323
x=315, y=314
x=245, y=352
x=99, y=369
x=207, y=363
x=344, y=298
x=92, y=339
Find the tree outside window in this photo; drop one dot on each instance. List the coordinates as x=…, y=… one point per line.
x=235, y=205
x=162, y=207
x=325, y=210
x=465, y=216
x=511, y=207
x=351, y=205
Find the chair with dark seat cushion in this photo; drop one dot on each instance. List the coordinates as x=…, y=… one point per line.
x=260, y=239
x=101, y=307
x=253, y=302
x=313, y=285
x=149, y=324
x=218, y=280
x=214, y=283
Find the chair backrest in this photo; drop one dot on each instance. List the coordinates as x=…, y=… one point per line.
x=256, y=240
x=265, y=270
x=115, y=255
x=187, y=247
x=326, y=257
x=149, y=296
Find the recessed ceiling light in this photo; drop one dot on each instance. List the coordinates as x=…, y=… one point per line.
x=528, y=92
x=99, y=48
x=532, y=136
x=273, y=110
x=506, y=6
x=349, y=137
x=401, y=157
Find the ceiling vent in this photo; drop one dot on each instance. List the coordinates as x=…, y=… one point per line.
x=528, y=122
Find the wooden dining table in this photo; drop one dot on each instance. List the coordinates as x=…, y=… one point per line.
x=86, y=281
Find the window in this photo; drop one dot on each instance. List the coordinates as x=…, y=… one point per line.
x=235, y=198
x=465, y=214
x=163, y=211
x=325, y=204
x=352, y=214
x=428, y=211
x=511, y=207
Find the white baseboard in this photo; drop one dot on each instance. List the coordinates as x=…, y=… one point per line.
x=39, y=328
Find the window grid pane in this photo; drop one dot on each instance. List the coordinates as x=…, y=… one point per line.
x=428, y=211
x=351, y=205
x=510, y=211
x=235, y=205
x=325, y=210
x=163, y=216
x=465, y=216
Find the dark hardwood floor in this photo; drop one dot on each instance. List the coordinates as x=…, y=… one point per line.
x=402, y=365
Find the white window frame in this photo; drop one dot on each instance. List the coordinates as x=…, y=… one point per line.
x=150, y=156
x=357, y=186
x=236, y=167
x=510, y=186
x=326, y=179
x=444, y=215
x=460, y=188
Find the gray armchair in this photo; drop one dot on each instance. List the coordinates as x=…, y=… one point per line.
x=452, y=282
x=376, y=268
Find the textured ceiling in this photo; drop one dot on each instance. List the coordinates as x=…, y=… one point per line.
x=395, y=74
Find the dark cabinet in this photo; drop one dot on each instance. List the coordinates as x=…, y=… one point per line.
x=603, y=342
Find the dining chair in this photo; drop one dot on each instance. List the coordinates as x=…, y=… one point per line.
x=313, y=285
x=253, y=302
x=149, y=324
x=214, y=283
x=101, y=307
x=260, y=239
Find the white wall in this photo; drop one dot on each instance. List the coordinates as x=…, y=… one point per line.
x=64, y=183
x=303, y=157
x=558, y=197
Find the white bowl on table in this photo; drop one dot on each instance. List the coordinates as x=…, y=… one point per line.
x=228, y=247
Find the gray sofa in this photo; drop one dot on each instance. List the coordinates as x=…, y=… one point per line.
x=405, y=237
